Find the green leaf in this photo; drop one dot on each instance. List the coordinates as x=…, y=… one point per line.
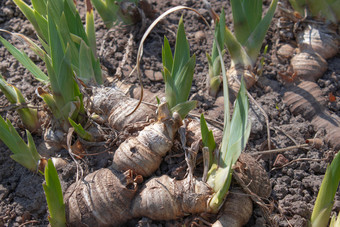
x=8, y=90
x=216, y=67
x=219, y=175
x=29, y=14
x=184, y=108
x=255, y=40
x=55, y=42
x=210, y=62
x=54, y=10
x=25, y=154
x=65, y=78
x=207, y=139
x=97, y=70
x=85, y=63
x=183, y=81
x=40, y=7
x=253, y=12
x=237, y=53
x=25, y=61
x=50, y=102
x=29, y=117
x=54, y=196
x=233, y=145
x=167, y=58
x=43, y=26
x=222, y=180
x=67, y=39
x=182, y=51
x=74, y=23
x=107, y=11
x=170, y=89
x=241, y=26
x=178, y=81
x=325, y=199
x=81, y=131
x=90, y=29
x=57, y=98
x=220, y=36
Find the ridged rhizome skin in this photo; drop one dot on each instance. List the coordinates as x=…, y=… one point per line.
x=164, y=198
x=319, y=38
x=114, y=106
x=103, y=198
x=143, y=154
x=309, y=65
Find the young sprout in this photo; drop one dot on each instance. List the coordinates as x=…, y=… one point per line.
x=54, y=196
x=29, y=116
x=244, y=47
x=235, y=136
x=66, y=18
x=214, y=80
x=68, y=50
x=178, y=73
x=25, y=154
x=325, y=199
x=78, y=128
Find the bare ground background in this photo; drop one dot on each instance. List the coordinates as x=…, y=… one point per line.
x=295, y=176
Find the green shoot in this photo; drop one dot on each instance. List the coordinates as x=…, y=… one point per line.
x=208, y=139
x=68, y=51
x=54, y=196
x=250, y=30
x=114, y=11
x=325, y=199
x=25, y=154
x=213, y=60
x=178, y=73
x=81, y=131
x=235, y=136
x=72, y=32
x=29, y=116
x=260, y=66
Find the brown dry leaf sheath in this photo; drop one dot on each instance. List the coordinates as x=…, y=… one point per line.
x=143, y=154
x=103, y=198
x=164, y=198
x=251, y=173
x=114, y=106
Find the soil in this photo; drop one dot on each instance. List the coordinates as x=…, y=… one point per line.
x=295, y=174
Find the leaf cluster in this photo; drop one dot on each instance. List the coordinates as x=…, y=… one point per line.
x=178, y=72
x=235, y=136
x=249, y=28
x=68, y=50
x=28, y=116
x=25, y=154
